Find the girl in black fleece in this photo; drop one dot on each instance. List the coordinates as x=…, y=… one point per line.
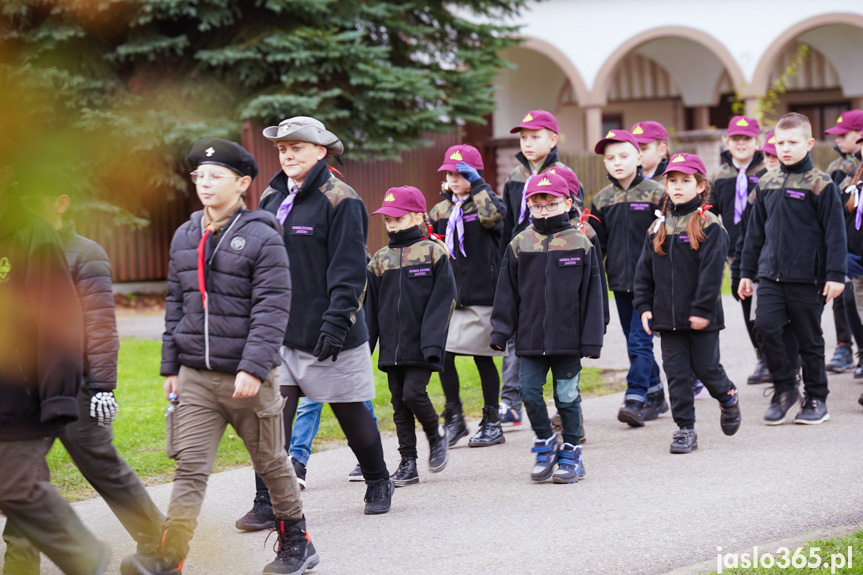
x=471, y=217
x=410, y=299
x=686, y=251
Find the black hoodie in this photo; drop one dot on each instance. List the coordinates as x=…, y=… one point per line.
x=724, y=191
x=410, y=300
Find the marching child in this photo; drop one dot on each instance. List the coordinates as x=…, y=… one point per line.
x=550, y=294
x=677, y=286
x=471, y=217
x=624, y=211
x=854, y=224
x=652, y=138
x=410, y=299
x=796, y=247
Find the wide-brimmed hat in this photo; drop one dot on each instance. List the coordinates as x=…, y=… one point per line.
x=305, y=129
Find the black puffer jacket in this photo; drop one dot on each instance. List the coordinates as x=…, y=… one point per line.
x=724, y=190
x=325, y=235
x=476, y=273
x=410, y=301
x=684, y=282
x=41, y=334
x=248, y=287
x=91, y=271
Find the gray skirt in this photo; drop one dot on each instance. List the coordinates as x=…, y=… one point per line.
x=470, y=332
x=347, y=380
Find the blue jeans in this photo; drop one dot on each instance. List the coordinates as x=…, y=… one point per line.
x=643, y=376
x=306, y=425
x=565, y=370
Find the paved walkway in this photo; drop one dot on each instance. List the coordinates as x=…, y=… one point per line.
x=639, y=510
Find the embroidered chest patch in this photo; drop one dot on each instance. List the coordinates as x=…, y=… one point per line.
x=238, y=243
x=423, y=272
x=302, y=230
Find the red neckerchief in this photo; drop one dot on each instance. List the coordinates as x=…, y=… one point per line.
x=202, y=284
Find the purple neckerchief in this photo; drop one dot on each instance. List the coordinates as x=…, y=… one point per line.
x=285, y=206
x=741, y=191
x=858, y=202
x=453, y=225
x=524, y=198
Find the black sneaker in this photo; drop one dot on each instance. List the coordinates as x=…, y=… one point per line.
x=407, y=473
x=300, y=472
x=138, y=564
x=546, y=457
x=260, y=517
x=295, y=552
x=438, y=450
x=858, y=371
x=842, y=359
x=684, y=441
x=356, y=474
x=655, y=406
x=729, y=416
x=779, y=406
x=379, y=496
x=813, y=411
x=490, y=431
x=761, y=374
x=631, y=413
x=456, y=427
x=860, y=400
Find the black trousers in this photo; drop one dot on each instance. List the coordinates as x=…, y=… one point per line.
x=685, y=352
x=799, y=305
x=410, y=399
x=851, y=315
x=840, y=318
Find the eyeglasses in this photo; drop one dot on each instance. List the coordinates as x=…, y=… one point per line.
x=215, y=177
x=537, y=208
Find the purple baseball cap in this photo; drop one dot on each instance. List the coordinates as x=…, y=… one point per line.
x=400, y=201
x=461, y=153
x=569, y=176
x=686, y=163
x=615, y=136
x=769, y=146
x=743, y=126
x=547, y=183
x=848, y=121
x=646, y=132
x=535, y=120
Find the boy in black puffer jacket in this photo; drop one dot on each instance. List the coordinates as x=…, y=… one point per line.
x=409, y=303
x=549, y=296
x=225, y=315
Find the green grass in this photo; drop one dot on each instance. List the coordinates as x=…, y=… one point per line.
x=139, y=432
x=825, y=549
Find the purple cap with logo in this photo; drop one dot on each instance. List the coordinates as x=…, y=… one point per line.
x=535, y=120
x=615, y=136
x=769, y=146
x=400, y=201
x=646, y=132
x=743, y=126
x=547, y=183
x=686, y=163
x=851, y=120
x=461, y=153
x=569, y=176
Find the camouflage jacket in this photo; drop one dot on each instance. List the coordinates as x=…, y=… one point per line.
x=843, y=166
x=550, y=294
x=623, y=217
x=410, y=301
x=513, y=190
x=325, y=235
x=683, y=282
x=723, y=186
x=796, y=231
x=476, y=272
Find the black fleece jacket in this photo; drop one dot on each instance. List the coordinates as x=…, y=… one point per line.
x=513, y=190
x=91, y=272
x=549, y=293
x=724, y=190
x=248, y=287
x=325, y=235
x=41, y=335
x=622, y=219
x=683, y=282
x=475, y=274
x=410, y=301
x=796, y=232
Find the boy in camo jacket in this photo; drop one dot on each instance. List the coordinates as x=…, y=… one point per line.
x=410, y=299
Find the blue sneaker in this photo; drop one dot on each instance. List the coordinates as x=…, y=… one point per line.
x=570, y=467
x=509, y=415
x=546, y=457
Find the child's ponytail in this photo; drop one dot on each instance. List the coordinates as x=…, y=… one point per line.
x=659, y=238
x=432, y=236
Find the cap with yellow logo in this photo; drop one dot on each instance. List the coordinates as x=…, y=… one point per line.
x=646, y=132
x=547, y=183
x=849, y=121
x=686, y=163
x=536, y=120
x=743, y=126
x=769, y=146
x=615, y=136
x=461, y=153
x=400, y=201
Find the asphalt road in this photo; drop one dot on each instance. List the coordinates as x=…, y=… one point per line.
x=639, y=510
